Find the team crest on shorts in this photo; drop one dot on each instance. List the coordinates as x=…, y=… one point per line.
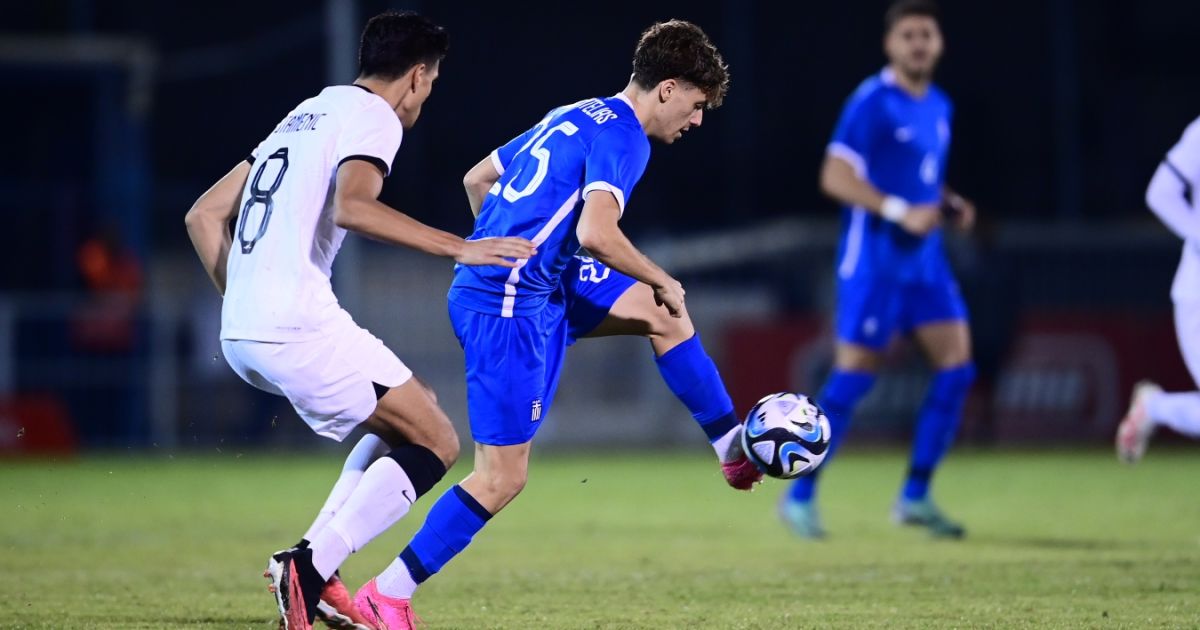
x=535, y=413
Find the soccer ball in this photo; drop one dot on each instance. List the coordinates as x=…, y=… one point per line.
x=786, y=435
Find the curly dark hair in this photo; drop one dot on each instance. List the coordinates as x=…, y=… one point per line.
x=395, y=41
x=908, y=8
x=680, y=50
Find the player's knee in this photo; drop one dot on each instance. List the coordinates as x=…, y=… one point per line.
x=671, y=329
x=507, y=488
x=444, y=442
x=506, y=482
x=442, y=438
x=449, y=448
x=423, y=467
x=849, y=357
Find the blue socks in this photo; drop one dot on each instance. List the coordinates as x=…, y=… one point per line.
x=452, y=522
x=937, y=425
x=693, y=378
x=840, y=396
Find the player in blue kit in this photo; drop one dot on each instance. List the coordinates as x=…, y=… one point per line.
x=564, y=185
x=886, y=166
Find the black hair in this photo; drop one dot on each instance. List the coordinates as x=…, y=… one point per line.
x=393, y=42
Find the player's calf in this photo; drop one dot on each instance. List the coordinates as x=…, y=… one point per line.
x=500, y=474
x=688, y=371
x=424, y=445
x=692, y=376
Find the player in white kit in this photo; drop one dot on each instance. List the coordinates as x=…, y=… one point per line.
x=1172, y=196
x=315, y=176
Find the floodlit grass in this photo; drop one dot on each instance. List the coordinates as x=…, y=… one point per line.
x=1066, y=539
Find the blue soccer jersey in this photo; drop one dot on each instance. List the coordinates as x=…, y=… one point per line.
x=545, y=174
x=899, y=143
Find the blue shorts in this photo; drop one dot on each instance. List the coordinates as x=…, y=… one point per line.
x=870, y=311
x=513, y=364
x=589, y=290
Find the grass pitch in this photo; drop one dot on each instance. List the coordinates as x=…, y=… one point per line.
x=624, y=541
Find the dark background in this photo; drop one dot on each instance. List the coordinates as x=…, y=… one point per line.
x=1063, y=108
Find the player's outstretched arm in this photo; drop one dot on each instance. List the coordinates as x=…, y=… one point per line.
x=599, y=233
x=357, y=208
x=840, y=182
x=478, y=181
x=208, y=222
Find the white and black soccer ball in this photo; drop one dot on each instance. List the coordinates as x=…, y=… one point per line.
x=786, y=435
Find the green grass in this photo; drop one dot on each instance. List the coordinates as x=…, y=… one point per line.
x=628, y=541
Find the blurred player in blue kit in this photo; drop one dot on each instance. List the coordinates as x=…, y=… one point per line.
x=886, y=166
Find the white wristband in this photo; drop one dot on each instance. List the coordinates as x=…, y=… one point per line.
x=893, y=208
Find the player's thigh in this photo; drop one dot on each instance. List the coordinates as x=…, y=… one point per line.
x=865, y=321
x=244, y=357
x=946, y=344
x=603, y=302
x=511, y=365
x=937, y=316
x=852, y=357
x=1187, y=330
x=409, y=413
x=636, y=313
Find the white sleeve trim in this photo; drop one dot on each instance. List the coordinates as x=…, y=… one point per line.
x=496, y=163
x=856, y=161
x=616, y=192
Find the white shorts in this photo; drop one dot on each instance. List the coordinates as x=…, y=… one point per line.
x=331, y=381
x=1187, y=330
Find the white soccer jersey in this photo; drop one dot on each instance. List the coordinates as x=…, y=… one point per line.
x=278, y=277
x=1173, y=197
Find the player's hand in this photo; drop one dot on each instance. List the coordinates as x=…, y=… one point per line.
x=503, y=252
x=960, y=210
x=670, y=294
x=921, y=219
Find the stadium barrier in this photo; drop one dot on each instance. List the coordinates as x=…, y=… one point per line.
x=1057, y=347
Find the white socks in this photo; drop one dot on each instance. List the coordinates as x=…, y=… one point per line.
x=368, y=449
x=382, y=497
x=341, y=491
x=395, y=581
x=1180, y=412
x=729, y=446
